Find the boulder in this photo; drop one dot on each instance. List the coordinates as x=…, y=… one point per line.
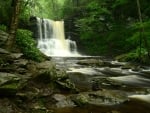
x=62, y=101
x=80, y=99
x=99, y=98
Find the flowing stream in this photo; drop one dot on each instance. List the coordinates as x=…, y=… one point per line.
x=108, y=86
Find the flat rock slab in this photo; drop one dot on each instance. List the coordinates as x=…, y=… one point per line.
x=3, y=51
x=9, y=83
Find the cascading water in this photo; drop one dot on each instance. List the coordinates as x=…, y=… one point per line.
x=51, y=40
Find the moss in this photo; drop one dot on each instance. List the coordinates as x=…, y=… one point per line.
x=12, y=86
x=81, y=100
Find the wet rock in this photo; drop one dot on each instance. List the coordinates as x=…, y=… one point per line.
x=146, y=73
x=81, y=81
x=50, y=75
x=129, y=66
x=103, y=97
x=45, y=65
x=80, y=99
x=9, y=83
x=68, y=85
x=133, y=80
x=62, y=101
x=114, y=63
x=84, y=71
x=113, y=72
x=91, y=62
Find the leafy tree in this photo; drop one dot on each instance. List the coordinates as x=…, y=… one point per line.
x=109, y=26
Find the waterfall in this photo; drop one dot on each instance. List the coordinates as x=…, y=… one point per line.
x=51, y=39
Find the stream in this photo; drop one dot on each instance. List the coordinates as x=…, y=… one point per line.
x=107, y=86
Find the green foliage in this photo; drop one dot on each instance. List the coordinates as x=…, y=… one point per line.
x=45, y=8
x=25, y=12
x=27, y=45
x=5, y=11
x=137, y=55
x=111, y=27
x=3, y=27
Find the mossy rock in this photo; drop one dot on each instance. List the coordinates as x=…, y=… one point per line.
x=80, y=100
x=9, y=84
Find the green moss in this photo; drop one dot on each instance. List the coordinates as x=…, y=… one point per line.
x=81, y=100
x=12, y=86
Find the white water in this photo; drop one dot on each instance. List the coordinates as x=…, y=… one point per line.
x=145, y=98
x=52, y=40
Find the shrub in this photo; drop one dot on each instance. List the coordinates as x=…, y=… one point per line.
x=3, y=27
x=135, y=56
x=27, y=45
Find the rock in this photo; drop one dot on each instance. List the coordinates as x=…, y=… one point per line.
x=3, y=51
x=80, y=99
x=81, y=81
x=59, y=97
x=45, y=65
x=113, y=63
x=37, y=107
x=113, y=71
x=62, y=101
x=7, y=106
x=146, y=73
x=129, y=66
x=133, y=80
x=99, y=98
x=3, y=37
x=15, y=55
x=21, y=62
x=91, y=62
x=9, y=83
x=67, y=84
x=50, y=74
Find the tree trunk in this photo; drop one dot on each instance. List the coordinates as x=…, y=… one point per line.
x=13, y=24
x=142, y=30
